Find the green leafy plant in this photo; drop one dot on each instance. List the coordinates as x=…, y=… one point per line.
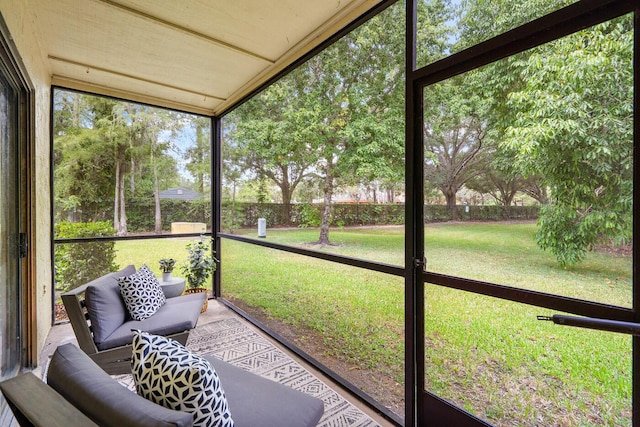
x=309, y=216
x=79, y=263
x=167, y=265
x=200, y=263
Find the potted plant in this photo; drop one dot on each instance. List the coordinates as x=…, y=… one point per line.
x=199, y=266
x=166, y=266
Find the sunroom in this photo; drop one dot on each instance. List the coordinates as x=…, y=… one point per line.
x=403, y=194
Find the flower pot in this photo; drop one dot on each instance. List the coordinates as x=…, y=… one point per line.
x=198, y=290
x=166, y=277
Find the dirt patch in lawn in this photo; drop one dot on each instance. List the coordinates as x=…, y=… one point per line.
x=618, y=250
x=377, y=384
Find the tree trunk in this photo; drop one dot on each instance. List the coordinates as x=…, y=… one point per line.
x=286, y=202
x=157, y=199
x=120, y=221
x=132, y=177
x=508, y=198
x=326, y=213
x=116, y=199
x=123, y=211
x=200, y=158
x=233, y=208
x=450, y=196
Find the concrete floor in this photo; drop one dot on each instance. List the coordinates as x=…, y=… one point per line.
x=63, y=333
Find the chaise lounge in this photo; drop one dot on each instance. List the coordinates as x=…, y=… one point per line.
x=102, y=323
x=79, y=393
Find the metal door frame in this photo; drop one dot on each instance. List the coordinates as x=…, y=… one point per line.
x=423, y=407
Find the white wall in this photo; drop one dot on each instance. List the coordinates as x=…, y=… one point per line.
x=20, y=20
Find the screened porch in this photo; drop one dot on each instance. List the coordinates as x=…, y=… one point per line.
x=407, y=199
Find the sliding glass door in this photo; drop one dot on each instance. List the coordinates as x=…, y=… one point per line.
x=12, y=210
x=9, y=226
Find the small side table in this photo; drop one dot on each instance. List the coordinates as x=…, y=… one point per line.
x=172, y=288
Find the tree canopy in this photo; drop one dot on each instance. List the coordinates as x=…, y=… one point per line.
x=573, y=126
x=109, y=150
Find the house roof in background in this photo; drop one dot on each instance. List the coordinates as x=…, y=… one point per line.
x=200, y=56
x=180, y=193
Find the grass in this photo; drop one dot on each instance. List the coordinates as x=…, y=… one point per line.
x=149, y=252
x=489, y=356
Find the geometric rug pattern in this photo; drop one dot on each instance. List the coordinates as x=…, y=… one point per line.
x=232, y=341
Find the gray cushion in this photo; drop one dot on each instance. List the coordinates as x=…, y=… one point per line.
x=257, y=401
x=87, y=387
x=176, y=315
x=105, y=304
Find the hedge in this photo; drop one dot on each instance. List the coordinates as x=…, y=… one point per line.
x=78, y=263
x=141, y=214
x=245, y=215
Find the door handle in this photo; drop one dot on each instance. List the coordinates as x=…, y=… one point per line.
x=594, y=323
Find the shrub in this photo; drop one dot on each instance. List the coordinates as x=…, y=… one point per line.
x=232, y=215
x=308, y=216
x=79, y=263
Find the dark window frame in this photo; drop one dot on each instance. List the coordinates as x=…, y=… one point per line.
x=213, y=224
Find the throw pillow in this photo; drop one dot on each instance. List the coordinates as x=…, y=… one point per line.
x=141, y=293
x=168, y=374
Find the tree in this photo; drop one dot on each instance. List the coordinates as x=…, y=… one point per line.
x=152, y=137
x=233, y=171
x=71, y=112
x=337, y=119
x=82, y=171
x=270, y=138
x=199, y=154
x=454, y=136
x=110, y=124
x=101, y=144
x=573, y=127
x=536, y=189
x=502, y=186
x=556, y=112
x=479, y=20
x=353, y=107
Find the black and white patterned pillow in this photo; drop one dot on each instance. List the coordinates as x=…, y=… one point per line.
x=141, y=293
x=168, y=374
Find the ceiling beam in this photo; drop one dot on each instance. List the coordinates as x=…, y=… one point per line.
x=89, y=67
x=98, y=89
x=184, y=30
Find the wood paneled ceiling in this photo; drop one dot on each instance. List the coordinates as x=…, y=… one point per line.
x=195, y=55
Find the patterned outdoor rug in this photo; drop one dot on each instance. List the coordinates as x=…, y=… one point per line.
x=234, y=342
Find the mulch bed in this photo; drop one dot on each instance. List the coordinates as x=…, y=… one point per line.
x=60, y=313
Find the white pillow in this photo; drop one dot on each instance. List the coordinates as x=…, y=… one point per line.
x=168, y=374
x=141, y=293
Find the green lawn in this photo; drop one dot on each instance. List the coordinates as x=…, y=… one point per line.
x=148, y=252
x=489, y=356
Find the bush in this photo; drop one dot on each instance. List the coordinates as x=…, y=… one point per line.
x=79, y=263
x=232, y=216
x=436, y=213
x=308, y=216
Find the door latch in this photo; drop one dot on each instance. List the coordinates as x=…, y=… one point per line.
x=24, y=248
